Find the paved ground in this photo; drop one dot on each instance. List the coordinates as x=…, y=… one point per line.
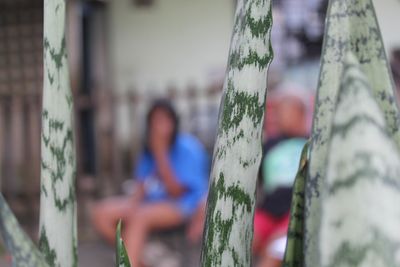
x=172, y=251
x=90, y=255
x=3, y=263
x=94, y=254
x=98, y=254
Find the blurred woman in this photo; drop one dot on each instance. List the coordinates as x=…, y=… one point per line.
x=171, y=176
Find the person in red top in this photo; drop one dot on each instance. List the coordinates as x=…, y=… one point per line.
x=278, y=169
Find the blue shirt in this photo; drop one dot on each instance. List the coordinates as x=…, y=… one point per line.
x=189, y=161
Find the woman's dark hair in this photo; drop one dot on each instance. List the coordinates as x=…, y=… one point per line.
x=166, y=106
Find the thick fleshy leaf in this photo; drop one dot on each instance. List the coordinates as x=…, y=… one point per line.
x=294, y=248
x=58, y=231
x=230, y=207
x=351, y=25
x=122, y=259
x=360, y=195
x=24, y=253
x=58, y=223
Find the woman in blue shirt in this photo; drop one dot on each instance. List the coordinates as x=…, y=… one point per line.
x=172, y=180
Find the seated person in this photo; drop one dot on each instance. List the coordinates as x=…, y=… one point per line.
x=279, y=167
x=171, y=175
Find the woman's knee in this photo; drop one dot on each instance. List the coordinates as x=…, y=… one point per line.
x=143, y=218
x=103, y=211
x=157, y=216
x=140, y=215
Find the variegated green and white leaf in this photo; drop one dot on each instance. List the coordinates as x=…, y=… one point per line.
x=351, y=25
x=360, y=215
x=58, y=233
x=24, y=253
x=121, y=256
x=229, y=224
x=294, y=248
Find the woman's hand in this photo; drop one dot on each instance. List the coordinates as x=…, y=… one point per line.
x=159, y=147
x=158, y=142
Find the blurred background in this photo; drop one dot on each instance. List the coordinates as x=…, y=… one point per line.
x=123, y=54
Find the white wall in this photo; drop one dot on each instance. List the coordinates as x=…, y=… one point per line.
x=388, y=13
x=175, y=42
x=182, y=42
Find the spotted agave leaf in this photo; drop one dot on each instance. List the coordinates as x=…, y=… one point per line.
x=360, y=215
x=24, y=253
x=294, y=248
x=351, y=25
x=58, y=231
x=229, y=224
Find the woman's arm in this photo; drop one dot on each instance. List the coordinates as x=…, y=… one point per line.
x=159, y=143
x=166, y=172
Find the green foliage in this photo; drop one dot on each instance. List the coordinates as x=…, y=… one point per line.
x=351, y=26
x=228, y=232
x=359, y=220
x=24, y=252
x=121, y=256
x=294, y=249
x=349, y=179
x=58, y=167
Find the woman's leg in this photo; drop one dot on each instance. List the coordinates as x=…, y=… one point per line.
x=195, y=228
x=147, y=218
x=105, y=215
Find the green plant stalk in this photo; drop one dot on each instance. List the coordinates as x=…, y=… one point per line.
x=351, y=25
x=24, y=253
x=360, y=217
x=237, y=154
x=58, y=231
x=121, y=256
x=294, y=256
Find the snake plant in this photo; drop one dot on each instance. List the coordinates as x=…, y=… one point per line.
x=351, y=25
x=58, y=225
x=24, y=253
x=237, y=153
x=58, y=233
x=294, y=253
x=121, y=257
x=359, y=217
x=353, y=159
